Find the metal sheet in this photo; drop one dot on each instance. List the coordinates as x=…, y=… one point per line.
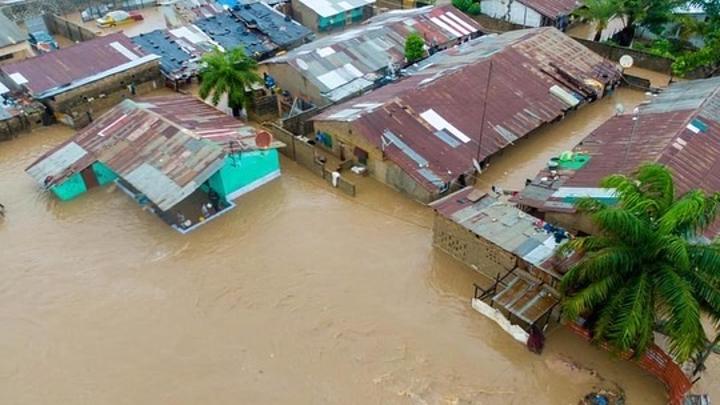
x=68, y=65
x=447, y=93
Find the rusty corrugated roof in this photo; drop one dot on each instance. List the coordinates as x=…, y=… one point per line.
x=500, y=223
x=552, y=8
x=65, y=66
x=428, y=123
x=680, y=128
x=347, y=62
x=165, y=147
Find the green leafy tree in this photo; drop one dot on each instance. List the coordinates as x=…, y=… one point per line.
x=600, y=12
x=474, y=9
x=467, y=6
x=646, y=266
x=708, y=56
x=414, y=47
x=652, y=14
x=230, y=73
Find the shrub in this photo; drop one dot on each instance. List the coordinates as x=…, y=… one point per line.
x=414, y=47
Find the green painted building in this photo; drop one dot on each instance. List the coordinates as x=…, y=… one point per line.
x=176, y=155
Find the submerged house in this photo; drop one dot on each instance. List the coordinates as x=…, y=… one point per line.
x=339, y=66
x=514, y=249
x=431, y=132
x=679, y=128
x=532, y=13
x=79, y=82
x=175, y=155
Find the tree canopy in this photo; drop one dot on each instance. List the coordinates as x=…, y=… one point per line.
x=230, y=73
x=414, y=47
x=647, y=267
x=600, y=12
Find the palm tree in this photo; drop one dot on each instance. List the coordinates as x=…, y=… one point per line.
x=230, y=73
x=600, y=12
x=647, y=265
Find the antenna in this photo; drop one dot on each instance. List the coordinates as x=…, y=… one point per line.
x=484, y=109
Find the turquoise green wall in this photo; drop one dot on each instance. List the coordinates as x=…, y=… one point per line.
x=70, y=188
x=103, y=173
x=243, y=169
x=75, y=185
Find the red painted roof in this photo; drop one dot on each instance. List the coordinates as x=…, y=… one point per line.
x=64, y=66
x=552, y=8
x=452, y=84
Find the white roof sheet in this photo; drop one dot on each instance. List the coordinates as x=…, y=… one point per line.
x=329, y=8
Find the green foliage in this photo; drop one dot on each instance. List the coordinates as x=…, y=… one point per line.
x=467, y=6
x=231, y=72
x=414, y=47
x=708, y=56
x=600, y=12
x=474, y=9
x=646, y=267
x=660, y=47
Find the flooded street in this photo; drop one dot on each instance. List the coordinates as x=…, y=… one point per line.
x=300, y=295
x=523, y=160
x=153, y=19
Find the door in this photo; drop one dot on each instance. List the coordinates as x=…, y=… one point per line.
x=89, y=178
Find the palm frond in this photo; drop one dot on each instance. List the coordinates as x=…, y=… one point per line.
x=690, y=214
x=622, y=224
x=679, y=305
x=589, y=297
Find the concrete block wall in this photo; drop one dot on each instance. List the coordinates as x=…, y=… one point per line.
x=470, y=249
x=98, y=96
x=13, y=127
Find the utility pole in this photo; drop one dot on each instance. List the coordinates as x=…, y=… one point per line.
x=484, y=109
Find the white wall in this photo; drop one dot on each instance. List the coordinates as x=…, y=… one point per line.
x=519, y=13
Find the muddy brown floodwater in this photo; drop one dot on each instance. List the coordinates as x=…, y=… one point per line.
x=523, y=160
x=300, y=295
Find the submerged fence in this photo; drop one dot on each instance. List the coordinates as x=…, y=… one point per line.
x=656, y=362
x=304, y=153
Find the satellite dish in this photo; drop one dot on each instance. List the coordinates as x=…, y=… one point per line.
x=626, y=61
x=263, y=139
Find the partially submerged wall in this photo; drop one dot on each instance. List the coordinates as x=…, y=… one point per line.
x=67, y=28
x=243, y=169
x=301, y=151
x=478, y=253
x=79, y=106
x=642, y=59
x=14, y=126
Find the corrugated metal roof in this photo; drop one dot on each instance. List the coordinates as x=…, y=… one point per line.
x=553, y=8
x=231, y=32
x=65, y=66
x=435, y=111
x=500, y=223
x=180, y=49
x=679, y=128
x=165, y=147
x=351, y=61
x=329, y=8
x=10, y=33
x=282, y=30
